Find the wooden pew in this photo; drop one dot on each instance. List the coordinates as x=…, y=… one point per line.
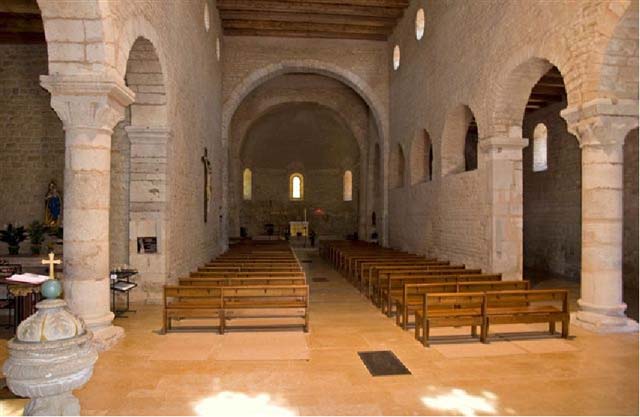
x=532, y=306
x=367, y=269
x=267, y=273
x=448, y=310
x=286, y=301
x=356, y=262
x=193, y=302
x=388, y=282
x=411, y=298
x=249, y=269
x=239, y=281
x=376, y=271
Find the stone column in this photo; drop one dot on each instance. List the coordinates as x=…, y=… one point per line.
x=502, y=162
x=89, y=107
x=148, y=202
x=601, y=127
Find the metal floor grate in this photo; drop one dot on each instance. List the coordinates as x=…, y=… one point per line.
x=383, y=363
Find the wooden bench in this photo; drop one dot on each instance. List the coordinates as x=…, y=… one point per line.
x=266, y=273
x=532, y=306
x=375, y=271
x=237, y=281
x=395, y=281
x=286, y=301
x=449, y=310
x=366, y=268
x=192, y=302
x=411, y=298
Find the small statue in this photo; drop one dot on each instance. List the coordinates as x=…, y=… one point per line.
x=52, y=206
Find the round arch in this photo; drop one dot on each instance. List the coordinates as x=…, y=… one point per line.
x=452, y=143
x=620, y=48
x=91, y=9
x=512, y=89
x=262, y=75
x=132, y=30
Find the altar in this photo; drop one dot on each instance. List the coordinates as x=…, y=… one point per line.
x=299, y=227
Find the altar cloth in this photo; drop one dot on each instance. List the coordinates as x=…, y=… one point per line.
x=28, y=278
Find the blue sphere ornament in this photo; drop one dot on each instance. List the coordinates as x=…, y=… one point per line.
x=51, y=289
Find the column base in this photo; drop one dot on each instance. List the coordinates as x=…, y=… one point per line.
x=608, y=319
x=107, y=337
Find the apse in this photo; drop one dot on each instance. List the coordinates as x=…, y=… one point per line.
x=298, y=155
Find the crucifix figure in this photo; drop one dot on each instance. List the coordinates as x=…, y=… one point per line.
x=52, y=262
x=208, y=191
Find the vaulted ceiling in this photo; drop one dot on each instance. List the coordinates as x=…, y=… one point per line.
x=342, y=19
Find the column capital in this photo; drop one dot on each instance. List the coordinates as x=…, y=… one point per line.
x=140, y=134
x=602, y=121
x=88, y=101
x=499, y=147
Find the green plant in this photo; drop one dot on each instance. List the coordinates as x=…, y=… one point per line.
x=13, y=236
x=36, y=232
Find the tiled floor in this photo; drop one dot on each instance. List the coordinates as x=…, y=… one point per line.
x=186, y=373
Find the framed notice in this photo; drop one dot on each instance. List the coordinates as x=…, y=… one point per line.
x=148, y=244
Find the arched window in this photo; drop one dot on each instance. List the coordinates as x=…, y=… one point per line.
x=540, y=148
x=419, y=24
x=396, y=57
x=397, y=167
x=420, y=154
x=471, y=146
x=246, y=184
x=296, y=186
x=347, y=186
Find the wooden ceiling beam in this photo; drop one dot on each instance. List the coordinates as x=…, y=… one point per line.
x=303, y=34
x=400, y=4
x=546, y=89
x=308, y=17
x=302, y=27
x=305, y=7
x=547, y=97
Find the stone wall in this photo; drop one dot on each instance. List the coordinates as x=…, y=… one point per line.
x=270, y=202
x=191, y=80
x=552, y=209
x=314, y=92
x=31, y=137
x=253, y=61
x=473, y=54
x=119, y=210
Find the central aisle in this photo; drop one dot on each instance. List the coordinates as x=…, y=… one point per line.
x=179, y=374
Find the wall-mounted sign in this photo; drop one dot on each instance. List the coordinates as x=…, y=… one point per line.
x=148, y=244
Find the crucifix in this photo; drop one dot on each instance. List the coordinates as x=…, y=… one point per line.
x=207, y=183
x=52, y=262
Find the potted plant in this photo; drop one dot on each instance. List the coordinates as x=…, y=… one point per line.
x=13, y=236
x=36, y=236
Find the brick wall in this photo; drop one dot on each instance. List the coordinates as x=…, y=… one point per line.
x=552, y=209
x=31, y=137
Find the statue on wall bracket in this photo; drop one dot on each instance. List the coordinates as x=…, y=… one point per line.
x=52, y=206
